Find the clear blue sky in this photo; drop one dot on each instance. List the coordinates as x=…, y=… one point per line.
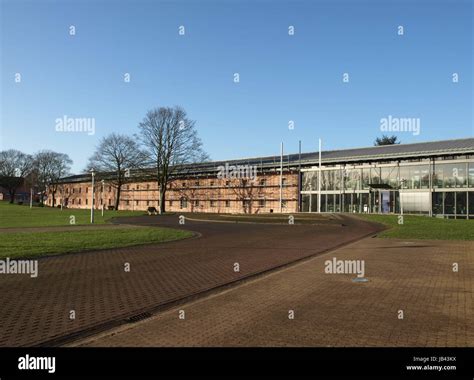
x=282, y=77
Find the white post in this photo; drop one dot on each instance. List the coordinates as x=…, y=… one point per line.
x=102, y=197
x=281, y=177
x=319, y=178
x=31, y=197
x=92, y=196
x=400, y=195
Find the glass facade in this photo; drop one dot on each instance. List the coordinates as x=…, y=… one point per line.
x=415, y=177
x=352, y=179
x=450, y=175
x=389, y=188
x=309, y=181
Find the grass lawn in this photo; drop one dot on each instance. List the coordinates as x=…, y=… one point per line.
x=12, y=215
x=422, y=227
x=37, y=244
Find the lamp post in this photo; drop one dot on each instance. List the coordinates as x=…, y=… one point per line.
x=92, y=196
x=102, y=197
x=319, y=177
x=402, y=184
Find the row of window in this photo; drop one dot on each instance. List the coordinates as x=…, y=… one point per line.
x=183, y=202
x=452, y=175
x=261, y=182
x=457, y=203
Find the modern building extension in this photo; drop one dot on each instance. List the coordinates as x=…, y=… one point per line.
x=432, y=178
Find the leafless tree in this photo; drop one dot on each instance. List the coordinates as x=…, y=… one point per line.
x=170, y=140
x=114, y=158
x=246, y=192
x=50, y=167
x=14, y=167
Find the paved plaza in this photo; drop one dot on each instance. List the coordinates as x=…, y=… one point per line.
x=415, y=277
x=95, y=288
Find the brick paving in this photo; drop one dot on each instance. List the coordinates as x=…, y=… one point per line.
x=95, y=285
x=330, y=309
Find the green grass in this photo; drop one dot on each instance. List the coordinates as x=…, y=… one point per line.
x=422, y=227
x=12, y=215
x=37, y=244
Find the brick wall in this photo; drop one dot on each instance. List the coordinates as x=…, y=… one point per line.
x=191, y=194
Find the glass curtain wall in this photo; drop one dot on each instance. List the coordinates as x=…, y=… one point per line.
x=351, y=189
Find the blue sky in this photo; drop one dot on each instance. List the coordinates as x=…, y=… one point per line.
x=282, y=77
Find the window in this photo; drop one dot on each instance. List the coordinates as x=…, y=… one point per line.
x=461, y=203
x=227, y=183
x=136, y=202
x=101, y=201
x=138, y=187
x=310, y=181
x=183, y=203
x=261, y=203
x=247, y=204
x=330, y=179
x=283, y=182
x=263, y=182
x=449, y=203
x=211, y=183
x=351, y=179
x=110, y=201
x=196, y=183
x=227, y=203
x=184, y=184
x=437, y=203
x=450, y=175
x=79, y=201
x=110, y=189
x=471, y=176
x=365, y=178
x=171, y=203
x=128, y=202
x=87, y=201
x=80, y=189
x=389, y=176
x=471, y=202
x=414, y=177
x=213, y=203
x=67, y=190
x=72, y=201
x=148, y=187
x=196, y=203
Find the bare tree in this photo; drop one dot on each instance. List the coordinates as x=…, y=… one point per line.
x=114, y=157
x=50, y=167
x=246, y=192
x=170, y=140
x=14, y=167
